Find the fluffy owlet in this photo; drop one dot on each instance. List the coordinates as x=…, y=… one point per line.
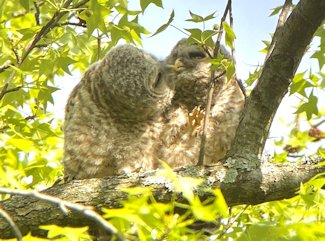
x=111, y=120
x=129, y=111
x=180, y=140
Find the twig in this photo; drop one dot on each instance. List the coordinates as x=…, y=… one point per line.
x=98, y=44
x=319, y=123
x=282, y=18
x=85, y=210
x=79, y=24
x=6, y=90
x=211, y=88
x=5, y=66
x=12, y=224
x=231, y=222
x=233, y=52
x=231, y=20
x=182, y=31
x=37, y=13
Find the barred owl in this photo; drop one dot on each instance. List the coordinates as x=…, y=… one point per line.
x=129, y=111
x=111, y=115
x=180, y=140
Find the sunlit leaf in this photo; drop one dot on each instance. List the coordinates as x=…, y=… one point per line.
x=253, y=77
x=145, y=3
x=197, y=18
x=320, y=56
x=299, y=85
x=195, y=34
x=229, y=36
x=310, y=107
x=164, y=26
x=22, y=144
x=276, y=10
x=72, y=233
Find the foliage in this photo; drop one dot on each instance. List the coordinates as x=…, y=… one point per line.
x=45, y=41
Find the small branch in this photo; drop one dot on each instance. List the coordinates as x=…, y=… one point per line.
x=231, y=222
x=180, y=30
x=5, y=66
x=98, y=44
x=282, y=18
x=12, y=224
x=211, y=89
x=85, y=210
x=37, y=13
x=5, y=90
x=319, y=123
x=231, y=20
x=79, y=24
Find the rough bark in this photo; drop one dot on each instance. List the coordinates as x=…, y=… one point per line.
x=279, y=181
x=278, y=71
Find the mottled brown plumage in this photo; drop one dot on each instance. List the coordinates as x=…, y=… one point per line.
x=180, y=139
x=111, y=115
x=124, y=115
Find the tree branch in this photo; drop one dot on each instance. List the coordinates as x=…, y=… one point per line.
x=282, y=18
x=211, y=88
x=278, y=182
x=12, y=224
x=63, y=205
x=278, y=71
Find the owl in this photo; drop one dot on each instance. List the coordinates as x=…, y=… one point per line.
x=130, y=111
x=180, y=140
x=112, y=116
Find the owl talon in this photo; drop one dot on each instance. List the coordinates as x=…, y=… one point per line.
x=195, y=119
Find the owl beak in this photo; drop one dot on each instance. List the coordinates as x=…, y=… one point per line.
x=178, y=66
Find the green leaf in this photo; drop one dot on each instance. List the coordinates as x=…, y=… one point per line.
x=25, y=4
x=22, y=144
x=320, y=56
x=64, y=62
x=197, y=18
x=308, y=193
x=310, y=107
x=145, y=3
x=253, y=77
x=164, y=26
x=276, y=11
x=280, y=157
x=220, y=203
x=299, y=85
x=195, y=34
x=73, y=234
x=206, y=38
x=230, y=35
x=95, y=18
x=210, y=16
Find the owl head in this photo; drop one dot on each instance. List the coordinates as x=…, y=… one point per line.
x=191, y=73
x=132, y=81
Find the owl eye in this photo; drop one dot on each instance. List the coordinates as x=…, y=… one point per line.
x=197, y=54
x=157, y=81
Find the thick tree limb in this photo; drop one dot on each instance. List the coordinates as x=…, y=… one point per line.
x=278, y=182
x=279, y=69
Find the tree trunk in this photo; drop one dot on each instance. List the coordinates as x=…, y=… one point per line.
x=291, y=43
